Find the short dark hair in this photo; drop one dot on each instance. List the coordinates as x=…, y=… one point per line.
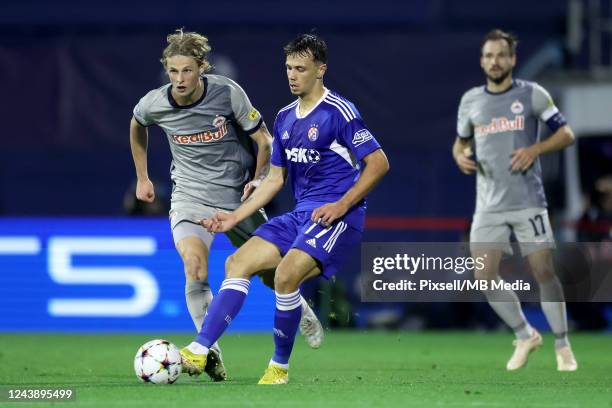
x=497, y=34
x=306, y=44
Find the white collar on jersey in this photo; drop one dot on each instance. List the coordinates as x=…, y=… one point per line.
x=297, y=107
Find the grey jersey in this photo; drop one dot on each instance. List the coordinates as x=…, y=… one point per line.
x=212, y=155
x=501, y=123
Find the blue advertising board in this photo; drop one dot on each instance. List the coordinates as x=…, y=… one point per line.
x=105, y=275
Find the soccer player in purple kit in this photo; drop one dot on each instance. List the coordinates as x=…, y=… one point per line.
x=210, y=125
x=320, y=142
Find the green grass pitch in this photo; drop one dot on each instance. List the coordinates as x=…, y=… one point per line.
x=352, y=369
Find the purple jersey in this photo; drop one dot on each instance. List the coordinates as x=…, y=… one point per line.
x=322, y=151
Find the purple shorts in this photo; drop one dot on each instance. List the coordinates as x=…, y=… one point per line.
x=330, y=246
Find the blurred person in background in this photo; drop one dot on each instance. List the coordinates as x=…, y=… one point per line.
x=501, y=118
x=596, y=222
x=594, y=226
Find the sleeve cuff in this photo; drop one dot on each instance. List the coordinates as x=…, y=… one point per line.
x=139, y=122
x=556, y=121
x=255, y=128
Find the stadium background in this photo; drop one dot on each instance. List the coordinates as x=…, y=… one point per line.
x=72, y=72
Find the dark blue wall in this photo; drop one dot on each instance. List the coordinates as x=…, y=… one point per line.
x=72, y=72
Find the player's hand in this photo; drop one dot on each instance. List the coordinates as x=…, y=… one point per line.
x=466, y=165
x=522, y=159
x=328, y=213
x=220, y=222
x=249, y=188
x=145, y=191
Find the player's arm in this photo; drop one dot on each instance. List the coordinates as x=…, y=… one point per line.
x=523, y=158
x=544, y=109
x=263, y=139
x=462, y=148
x=139, y=138
x=462, y=151
x=268, y=188
x=376, y=166
x=251, y=121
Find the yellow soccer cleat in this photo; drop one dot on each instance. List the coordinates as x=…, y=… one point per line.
x=274, y=375
x=193, y=364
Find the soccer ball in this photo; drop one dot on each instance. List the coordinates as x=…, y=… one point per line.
x=313, y=156
x=158, y=361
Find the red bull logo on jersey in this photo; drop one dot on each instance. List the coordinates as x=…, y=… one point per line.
x=301, y=155
x=202, y=137
x=500, y=125
x=219, y=121
x=517, y=107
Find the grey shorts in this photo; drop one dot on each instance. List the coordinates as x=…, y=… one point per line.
x=184, y=218
x=531, y=227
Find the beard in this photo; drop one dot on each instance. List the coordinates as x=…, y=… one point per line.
x=499, y=79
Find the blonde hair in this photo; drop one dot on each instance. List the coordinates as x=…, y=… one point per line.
x=188, y=44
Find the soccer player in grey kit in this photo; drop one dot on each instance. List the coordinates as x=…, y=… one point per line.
x=501, y=118
x=210, y=125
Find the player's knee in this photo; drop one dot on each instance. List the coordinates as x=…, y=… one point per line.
x=543, y=273
x=195, y=267
x=487, y=274
x=542, y=267
x=285, y=281
x=236, y=267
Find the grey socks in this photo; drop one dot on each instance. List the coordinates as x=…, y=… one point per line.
x=553, y=305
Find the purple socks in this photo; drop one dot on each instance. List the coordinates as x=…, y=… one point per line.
x=286, y=321
x=222, y=310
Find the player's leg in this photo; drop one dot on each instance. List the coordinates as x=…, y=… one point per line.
x=194, y=254
x=310, y=326
x=489, y=234
x=534, y=232
x=504, y=302
x=251, y=258
x=193, y=245
x=295, y=268
x=254, y=256
x=315, y=251
x=553, y=306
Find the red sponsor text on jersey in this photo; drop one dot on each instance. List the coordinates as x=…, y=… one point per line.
x=499, y=125
x=202, y=137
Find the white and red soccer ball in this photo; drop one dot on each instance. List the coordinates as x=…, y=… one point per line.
x=158, y=362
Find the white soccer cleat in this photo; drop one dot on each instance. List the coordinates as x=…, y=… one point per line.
x=565, y=359
x=522, y=350
x=311, y=328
